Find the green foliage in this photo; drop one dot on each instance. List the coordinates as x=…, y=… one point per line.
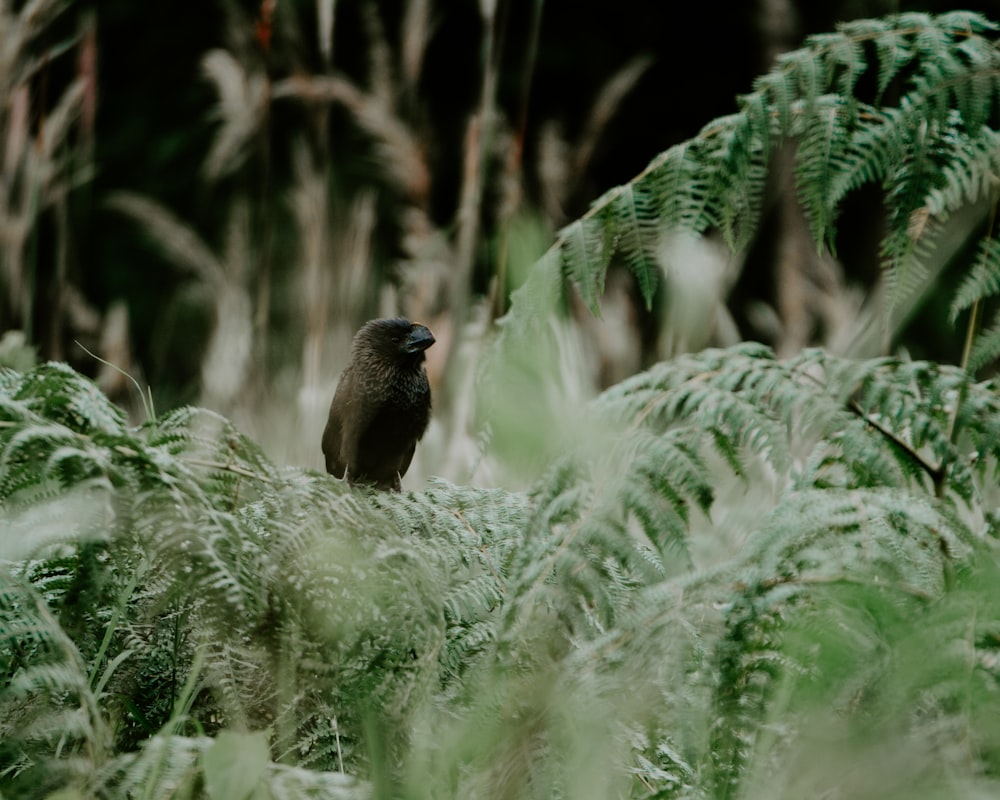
x=741, y=548
x=906, y=103
x=734, y=576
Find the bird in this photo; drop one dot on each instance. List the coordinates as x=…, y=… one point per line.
x=381, y=406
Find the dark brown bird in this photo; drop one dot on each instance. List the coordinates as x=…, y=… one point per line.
x=382, y=405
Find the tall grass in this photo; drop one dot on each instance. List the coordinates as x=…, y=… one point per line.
x=304, y=259
x=46, y=130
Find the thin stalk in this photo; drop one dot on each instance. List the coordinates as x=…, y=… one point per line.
x=182, y=707
x=971, y=330
x=941, y=479
x=265, y=189
x=109, y=632
x=975, y=318
x=147, y=401
x=515, y=162
x=477, y=142
x=266, y=211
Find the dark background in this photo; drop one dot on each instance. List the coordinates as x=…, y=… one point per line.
x=154, y=126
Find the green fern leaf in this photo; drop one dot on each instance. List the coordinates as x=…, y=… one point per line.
x=587, y=247
x=680, y=188
x=638, y=228
x=981, y=282
x=822, y=156
x=928, y=150
x=986, y=348
x=68, y=398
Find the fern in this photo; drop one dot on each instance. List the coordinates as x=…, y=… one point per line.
x=586, y=256
x=671, y=570
x=930, y=150
x=982, y=281
x=47, y=705
x=735, y=553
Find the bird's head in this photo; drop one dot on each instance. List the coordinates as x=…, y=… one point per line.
x=398, y=339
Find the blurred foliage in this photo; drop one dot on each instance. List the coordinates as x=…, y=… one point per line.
x=728, y=575
x=424, y=133
x=747, y=575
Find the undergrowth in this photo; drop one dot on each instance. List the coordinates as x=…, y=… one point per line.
x=745, y=562
x=734, y=576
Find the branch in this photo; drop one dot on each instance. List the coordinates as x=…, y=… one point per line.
x=936, y=473
x=197, y=462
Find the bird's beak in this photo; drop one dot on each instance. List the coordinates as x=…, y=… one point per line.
x=419, y=338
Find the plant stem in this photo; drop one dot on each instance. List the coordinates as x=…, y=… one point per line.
x=975, y=319
x=477, y=145
x=514, y=164
x=147, y=402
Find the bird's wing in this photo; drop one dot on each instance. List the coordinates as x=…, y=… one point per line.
x=404, y=462
x=352, y=414
x=332, y=437
x=348, y=420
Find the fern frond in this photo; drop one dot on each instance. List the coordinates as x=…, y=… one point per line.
x=67, y=398
x=893, y=52
x=479, y=525
x=639, y=231
x=680, y=166
x=737, y=166
x=586, y=254
x=831, y=527
x=684, y=391
x=822, y=155
x=166, y=764
x=737, y=541
x=47, y=710
x=928, y=149
x=287, y=782
x=969, y=174
x=986, y=348
x=982, y=281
